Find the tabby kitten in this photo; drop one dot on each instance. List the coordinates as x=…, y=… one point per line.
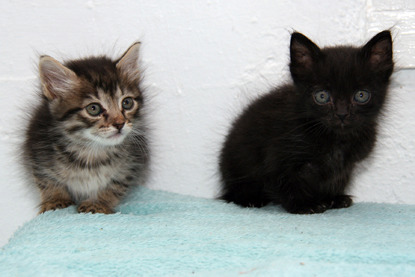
x=85, y=143
x=297, y=145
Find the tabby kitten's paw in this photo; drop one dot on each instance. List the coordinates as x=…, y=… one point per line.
x=55, y=204
x=94, y=207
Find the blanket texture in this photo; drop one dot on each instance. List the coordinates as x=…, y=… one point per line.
x=158, y=233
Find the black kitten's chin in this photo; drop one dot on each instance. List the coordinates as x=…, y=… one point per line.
x=343, y=130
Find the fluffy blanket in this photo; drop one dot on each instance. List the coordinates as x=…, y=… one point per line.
x=158, y=233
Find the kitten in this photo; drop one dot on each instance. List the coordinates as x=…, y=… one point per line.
x=297, y=145
x=85, y=143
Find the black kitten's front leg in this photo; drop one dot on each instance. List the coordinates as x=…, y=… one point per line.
x=245, y=193
x=308, y=192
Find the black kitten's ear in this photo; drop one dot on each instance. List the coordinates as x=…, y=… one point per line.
x=304, y=54
x=128, y=63
x=56, y=79
x=378, y=53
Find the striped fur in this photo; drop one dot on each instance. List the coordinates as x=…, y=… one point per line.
x=79, y=158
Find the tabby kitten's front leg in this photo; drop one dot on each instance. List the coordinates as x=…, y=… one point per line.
x=53, y=197
x=106, y=199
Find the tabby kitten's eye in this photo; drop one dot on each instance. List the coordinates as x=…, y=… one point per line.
x=127, y=103
x=362, y=97
x=322, y=97
x=94, y=109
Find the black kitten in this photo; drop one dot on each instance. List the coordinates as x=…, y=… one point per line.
x=298, y=144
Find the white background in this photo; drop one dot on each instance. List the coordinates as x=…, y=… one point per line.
x=204, y=61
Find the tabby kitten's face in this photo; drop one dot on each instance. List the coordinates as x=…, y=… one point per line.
x=95, y=100
x=106, y=119
x=343, y=88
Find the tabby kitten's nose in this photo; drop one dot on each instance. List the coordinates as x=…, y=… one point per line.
x=118, y=125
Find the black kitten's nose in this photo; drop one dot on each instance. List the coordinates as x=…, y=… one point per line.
x=342, y=117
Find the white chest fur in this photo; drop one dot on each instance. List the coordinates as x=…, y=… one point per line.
x=85, y=183
x=92, y=172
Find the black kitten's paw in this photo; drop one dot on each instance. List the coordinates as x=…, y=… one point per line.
x=342, y=201
x=307, y=209
x=339, y=202
x=250, y=204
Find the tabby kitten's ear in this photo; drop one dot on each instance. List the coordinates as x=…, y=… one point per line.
x=128, y=64
x=378, y=54
x=56, y=79
x=304, y=54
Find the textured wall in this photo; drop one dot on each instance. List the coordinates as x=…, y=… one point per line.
x=204, y=60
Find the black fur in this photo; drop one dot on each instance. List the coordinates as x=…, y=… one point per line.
x=287, y=148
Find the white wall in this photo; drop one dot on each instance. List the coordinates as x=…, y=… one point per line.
x=204, y=60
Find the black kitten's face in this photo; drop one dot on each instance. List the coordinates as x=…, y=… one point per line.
x=340, y=95
x=342, y=87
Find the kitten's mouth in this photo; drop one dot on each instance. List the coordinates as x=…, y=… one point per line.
x=116, y=135
x=108, y=138
x=112, y=139
x=342, y=126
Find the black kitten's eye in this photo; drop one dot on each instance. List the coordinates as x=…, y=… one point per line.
x=362, y=97
x=322, y=97
x=127, y=103
x=94, y=109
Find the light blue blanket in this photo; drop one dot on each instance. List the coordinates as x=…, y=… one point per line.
x=164, y=234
